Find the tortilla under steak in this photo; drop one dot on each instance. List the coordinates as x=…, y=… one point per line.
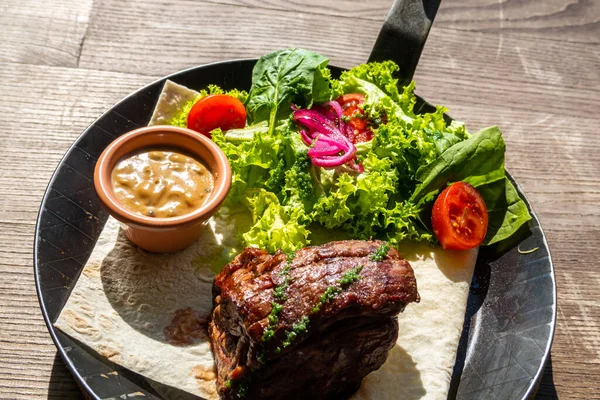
x=145, y=311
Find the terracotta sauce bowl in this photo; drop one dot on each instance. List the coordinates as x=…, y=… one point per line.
x=163, y=234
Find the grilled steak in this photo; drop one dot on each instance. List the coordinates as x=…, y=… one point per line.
x=308, y=326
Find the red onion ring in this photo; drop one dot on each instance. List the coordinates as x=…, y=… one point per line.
x=333, y=161
x=317, y=122
x=324, y=146
x=339, y=112
x=327, y=135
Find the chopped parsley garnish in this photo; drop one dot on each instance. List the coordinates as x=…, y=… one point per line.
x=330, y=294
x=350, y=276
x=279, y=295
x=300, y=327
x=240, y=386
x=279, y=291
x=381, y=252
x=297, y=329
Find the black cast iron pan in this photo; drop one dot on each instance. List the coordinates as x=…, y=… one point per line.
x=511, y=312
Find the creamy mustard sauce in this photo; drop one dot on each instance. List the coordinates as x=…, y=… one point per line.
x=161, y=183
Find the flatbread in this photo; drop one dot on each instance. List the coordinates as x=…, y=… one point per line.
x=125, y=298
x=171, y=98
x=127, y=304
x=146, y=311
x=420, y=364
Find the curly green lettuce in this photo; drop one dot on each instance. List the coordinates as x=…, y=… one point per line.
x=275, y=228
x=413, y=156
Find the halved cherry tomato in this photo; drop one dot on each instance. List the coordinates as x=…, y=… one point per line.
x=216, y=111
x=459, y=217
x=363, y=136
x=351, y=99
x=350, y=104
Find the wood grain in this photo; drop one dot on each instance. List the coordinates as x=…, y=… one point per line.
x=42, y=111
x=531, y=67
x=43, y=32
x=571, y=21
x=561, y=20
x=203, y=37
x=354, y=9
x=197, y=33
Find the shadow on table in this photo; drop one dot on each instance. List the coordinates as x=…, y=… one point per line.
x=62, y=385
x=547, y=389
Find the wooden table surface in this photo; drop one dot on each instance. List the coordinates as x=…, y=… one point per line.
x=530, y=66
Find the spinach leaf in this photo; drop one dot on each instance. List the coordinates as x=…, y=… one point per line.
x=443, y=141
x=506, y=210
x=284, y=76
x=479, y=161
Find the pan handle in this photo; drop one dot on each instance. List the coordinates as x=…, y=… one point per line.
x=403, y=34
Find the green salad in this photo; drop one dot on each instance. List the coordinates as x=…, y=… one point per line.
x=394, y=166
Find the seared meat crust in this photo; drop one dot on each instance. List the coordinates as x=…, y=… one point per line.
x=348, y=337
